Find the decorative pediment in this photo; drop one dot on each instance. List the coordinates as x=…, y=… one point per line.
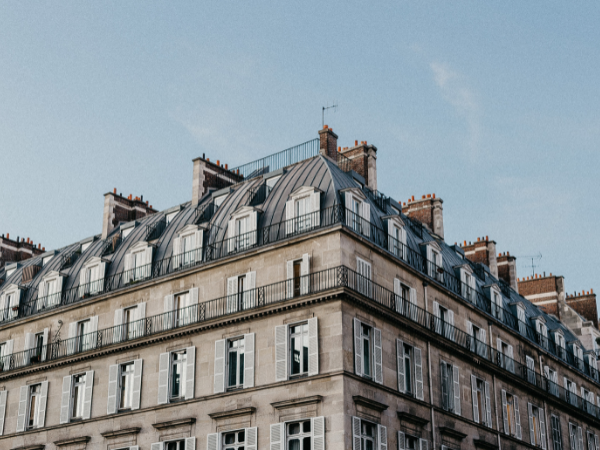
x=304, y=190
x=94, y=260
x=234, y=419
x=433, y=244
x=11, y=288
x=141, y=245
x=465, y=266
x=412, y=419
x=244, y=210
x=493, y=286
x=188, y=229
x=174, y=423
x=559, y=331
x=541, y=319
x=356, y=192
x=396, y=220
x=51, y=275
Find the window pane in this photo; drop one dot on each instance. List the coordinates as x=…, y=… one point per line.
x=294, y=428
x=366, y=357
x=232, y=368
x=176, y=380
x=295, y=344
x=242, y=368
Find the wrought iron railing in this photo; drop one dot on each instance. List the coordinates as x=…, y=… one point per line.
x=382, y=201
x=155, y=230
x=111, y=244
x=203, y=213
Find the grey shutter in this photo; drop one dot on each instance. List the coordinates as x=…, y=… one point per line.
x=190, y=372
x=580, y=437
x=401, y=440
x=219, y=381
x=249, y=361
x=168, y=303
x=99, y=284
x=157, y=446
x=397, y=293
x=45, y=343
x=65, y=399
x=488, y=405
x=358, y=357
x=445, y=388
x=400, y=363
x=89, y=388
x=277, y=436
x=249, y=290
x=504, y=412
x=289, y=217
x=517, y=417
x=281, y=352
x=305, y=274
x=456, y=382
x=290, y=279
x=138, y=366
x=313, y=346
x=212, y=441
x=474, y=399
x=543, y=428
x=3, y=395
x=318, y=433
x=531, y=429
x=436, y=314
x=23, y=394
x=251, y=439
x=315, y=200
x=366, y=215
x=377, y=356
x=41, y=413
x=113, y=385
x=382, y=437
x=29, y=341
x=418, y=374
x=118, y=329
x=423, y=444
x=163, y=378
x=232, y=286
x=190, y=443
x=355, y=433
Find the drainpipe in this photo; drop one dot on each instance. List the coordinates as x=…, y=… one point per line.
x=425, y=284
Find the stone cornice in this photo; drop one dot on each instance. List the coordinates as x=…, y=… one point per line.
x=72, y=441
x=297, y=402
x=371, y=404
x=174, y=423
x=123, y=432
x=233, y=413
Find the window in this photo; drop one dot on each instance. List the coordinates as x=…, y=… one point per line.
x=542, y=333
x=578, y=356
x=477, y=339
x=84, y=336
x=242, y=439
x=35, y=393
x=531, y=376
x=9, y=303
x=511, y=415
x=298, y=276
x=436, y=265
x=218, y=201
x=235, y=363
x=406, y=299
x=365, y=344
x=443, y=321
x=556, y=433
x=6, y=350
x=591, y=441
x=129, y=319
x=408, y=442
x=187, y=246
x=241, y=293
x=575, y=437
x=571, y=391
x=505, y=356
x=234, y=440
x=587, y=400
x=410, y=369
x=138, y=263
x=537, y=427
x=77, y=396
x=177, y=384
x=298, y=435
x=175, y=445
x=38, y=349
x=482, y=412
x=363, y=269
x=450, y=377
x=358, y=211
x=367, y=435
x=242, y=227
x=397, y=238
x=124, y=386
x=32, y=406
x=468, y=284
x=91, y=277
x=521, y=319
x=497, y=306
x=302, y=210
x=176, y=375
x=367, y=351
x=552, y=380
x=559, y=340
x=297, y=350
x=180, y=309
x=50, y=290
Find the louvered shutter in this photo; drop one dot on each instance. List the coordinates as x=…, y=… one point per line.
x=543, y=428
x=251, y=438
x=147, y=271
x=451, y=323
x=43, y=291
x=277, y=436
x=315, y=201
x=232, y=287
x=190, y=372
x=128, y=266
x=289, y=217
x=483, y=345
x=252, y=227
x=378, y=356
x=219, y=380
x=290, y=279
x=474, y=399
x=313, y=346
x=382, y=437
x=163, y=378
x=423, y=444
x=456, y=382
x=531, y=429
x=29, y=344
x=511, y=365
x=89, y=388
x=113, y=386
x=231, y=235
x=83, y=283
x=517, y=417
x=43, y=400
x=305, y=274
x=356, y=433
x=400, y=365
x=366, y=225
x=190, y=444
x=505, y=413
x=199, y=238
x=58, y=293
x=391, y=239
x=596, y=441
x=398, y=295
x=3, y=396
x=349, y=212
x=358, y=354
x=134, y=447
x=281, y=352
x=250, y=291
x=169, y=316
x=94, y=332
x=118, y=328
x=23, y=394
x=401, y=440
x=488, y=405
x=212, y=441
x=65, y=399
x=157, y=446
x=45, y=337
x=318, y=433
x=178, y=259
x=418, y=374
x=446, y=389
x=138, y=366
x=438, y=319
x=141, y=311
x=249, y=360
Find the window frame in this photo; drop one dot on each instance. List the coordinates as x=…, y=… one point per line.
x=121, y=388
x=305, y=338
x=182, y=386
x=31, y=395
x=240, y=363
x=76, y=404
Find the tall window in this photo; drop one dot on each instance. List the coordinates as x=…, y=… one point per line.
x=408, y=382
x=368, y=355
x=505, y=355
x=77, y=396
x=299, y=349
x=298, y=435
x=84, y=339
x=571, y=393
x=364, y=277
x=52, y=292
x=542, y=333
x=482, y=411
x=559, y=339
x=552, y=380
x=356, y=218
x=235, y=363
x=297, y=277
x=242, y=227
x=35, y=393
x=187, y=247
x=511, y=414
x=366, y=337
x=178, y=362
x=126, y=386
x=235, y=440
x=368, y=436
x=531, y=377
x=591, y=442
x=38, y=345
x=497, y=307
x=180, y=312
x=450, y=378
x=302, y=209
x=522, y=320
x=129, y=319
x=556, y=433
x=139, y=263
x=537, y=426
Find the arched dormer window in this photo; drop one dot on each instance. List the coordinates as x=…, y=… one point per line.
x=303, y=210
x=496, y=303
x=50, y=290
x=9, y=302
x=397, y=236
x=358, y=211
x=91, y=277
x=434, y=263
x=138, y=262
x=242, y=229
x=187, y=246
x=468, y=285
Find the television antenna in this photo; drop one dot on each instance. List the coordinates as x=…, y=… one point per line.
x=533, y=258
x=334, y=107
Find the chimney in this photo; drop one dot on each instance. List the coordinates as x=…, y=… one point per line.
x=585, y=305
x=328, y=143
x=119, y=209
x=507, y=270
x=363, y=160
x=207, y=175
x=429, y=211
x=483, y=251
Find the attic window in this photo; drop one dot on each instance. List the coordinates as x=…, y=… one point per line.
x=271, y=182
x=171, y=216
x=542, y=331
x=358, y=212
x=85, y=246
x=397, y=238
x=303, y=210
x=187, y=246
x=469, y=290
x=47, y=259
x=9, y=272
x=241, y=230
x=218, y=201
x=559, y=340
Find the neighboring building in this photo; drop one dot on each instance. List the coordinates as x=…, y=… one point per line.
x=288, y=306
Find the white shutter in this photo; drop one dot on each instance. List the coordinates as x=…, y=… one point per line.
x=193, y=297
x=517, y=417
x=83, y=283
x=488, y=405
x=289, y=217
x=190, y=443
x=401, y=440
x=128, y=266
x=113, y=386
x=377, y=356
x=281, y=352
x=232, y=287
x=355, y=434
x=212, y=441
x=157, y=446
x=531, y=429
x=366, y=225
x=231, y=235
x=252, y=226
x=290, y=279
x=249, y=290
x=580, y=437
x=190, y=372
x=456, y=382
x=318, y=433
x=474, y=399
x=445, y=377
x=65, y=399
x=59, y=284
x=169, y=303
x=249, y=360
x=596, y=441
x=45, y=337
x=423, y=444
x=163, y=378
x=382, y=437
x=400, y=365
x=251, y=439
x=277, y=436
x=438, y=319
x=349, y=212
x=358, y=356
x=542, y=428
x=148, y=261
x=219, y=380
x=3, y=395
x=118, y=329
x=134, y=447
x=23, y=394
x=398, y=295
x=315, y=205
x=169, y=315
x=138, y=366
x=43, y=400
x=177, y=250
x=305, y=274
x=313, y=346
x=504, y=412
x=99, y=283
x=89, y=388
x=390, y=231
x=418, y=373
x=199, y=238
x=141, y=313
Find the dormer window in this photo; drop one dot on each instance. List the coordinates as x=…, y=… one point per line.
x=519, y=309
x=578, y=355
x=496, y=304
x=559, y=341
x=187, y=246
x=91, y=277
x=542, y=332
x=468, y=286
x=397, y=237
x=434, y=263
x=241, y=231
x=46, y=259
x=126, y=229
x=218, y=201
x=358, y=211
x=303, y=210
x=271, y=182
x=138, y=262
x=49, y=291
x=9, y=303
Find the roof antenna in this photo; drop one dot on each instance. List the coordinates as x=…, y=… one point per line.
x=334, y=106
x=533, y=258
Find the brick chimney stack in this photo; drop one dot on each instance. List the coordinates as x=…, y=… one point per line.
x=328, y=143
x=584, y=303
x=363, y=160
x=119, y=209
x=429, y=211
x=15, y=251
x=207, y=175
x=483, y=251
x=507, y=269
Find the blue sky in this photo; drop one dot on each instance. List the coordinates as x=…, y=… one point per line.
x=494, y=106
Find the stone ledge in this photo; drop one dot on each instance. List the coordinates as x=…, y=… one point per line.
x=123, y=432
x=371, y=404
x=480, y=443
x=31, y=447
x=452, y=433
x=174, y=423
x=233, y=413
x=77, y=440
x=297, y=402
x=411, y=418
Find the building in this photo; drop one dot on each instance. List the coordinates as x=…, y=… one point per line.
x=289, y=305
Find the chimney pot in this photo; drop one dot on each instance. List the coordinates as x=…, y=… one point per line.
x=146, y=202
x=423, y=197
x=428, y=195
x=413, y=198
x=114, y=190
x=39, y=246
x=356, y=143
x=478, y=239
x=43, y=249
x=486, y=239
x=325, y=127
x=7, y=235
x=433, y=195
x=218, y=162
x=226, y=167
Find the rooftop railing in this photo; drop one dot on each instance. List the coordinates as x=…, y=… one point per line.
x=155, y=230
